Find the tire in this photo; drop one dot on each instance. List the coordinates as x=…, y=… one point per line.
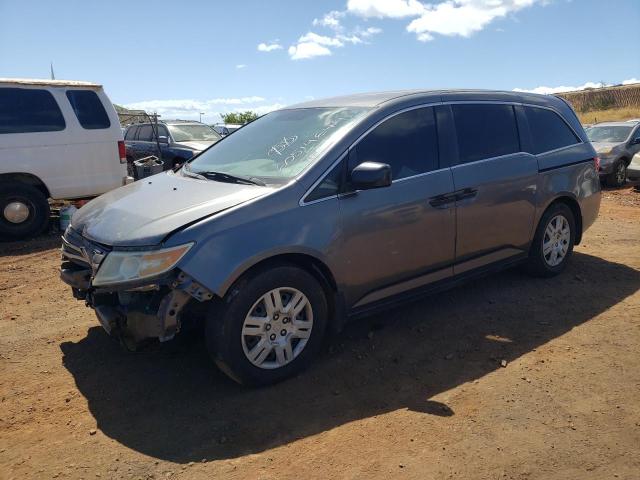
x=544, y=265
x=618, y=176
x=226, y=330
x=18, y=200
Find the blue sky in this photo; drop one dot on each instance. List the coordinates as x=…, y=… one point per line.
x=182, y=58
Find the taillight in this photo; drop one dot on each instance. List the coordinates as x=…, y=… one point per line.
x=122, y=151
x=596, y=163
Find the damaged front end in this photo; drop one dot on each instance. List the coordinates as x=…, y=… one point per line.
x=138, y=294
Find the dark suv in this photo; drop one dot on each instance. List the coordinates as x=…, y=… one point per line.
x=331, y=209
x=178, y=140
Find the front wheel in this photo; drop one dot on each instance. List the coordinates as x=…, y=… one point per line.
x=269, y=326
x=553, y=242
x=24, y=211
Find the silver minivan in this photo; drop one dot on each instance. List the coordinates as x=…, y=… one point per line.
x=328, y=210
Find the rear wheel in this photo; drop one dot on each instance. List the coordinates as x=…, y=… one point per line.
x=618, y=176
x=269, y=326
x=24, y=211
x=553, y=242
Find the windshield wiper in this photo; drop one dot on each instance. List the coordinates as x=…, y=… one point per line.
x=226, y=177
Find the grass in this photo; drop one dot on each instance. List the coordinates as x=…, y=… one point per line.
x=610, y=115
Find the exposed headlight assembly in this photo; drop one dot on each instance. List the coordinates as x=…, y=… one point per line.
x=123, y=267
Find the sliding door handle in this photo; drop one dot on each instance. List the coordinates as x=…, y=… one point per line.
x=466, y=193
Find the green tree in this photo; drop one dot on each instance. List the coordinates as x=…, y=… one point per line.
x=239, y=117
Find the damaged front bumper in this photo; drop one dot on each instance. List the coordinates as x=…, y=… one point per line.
x=135, y=311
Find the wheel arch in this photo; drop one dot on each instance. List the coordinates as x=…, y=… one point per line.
x=314, y=266
x=26, y=178
x=570, y=201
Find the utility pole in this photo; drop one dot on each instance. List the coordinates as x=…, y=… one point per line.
x=201, y=113
x=53, y=77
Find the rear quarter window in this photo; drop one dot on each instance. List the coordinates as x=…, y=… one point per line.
x=485, y=131
x=27, y=110
x=548, y=130
x=89, y=109
x=131, y=133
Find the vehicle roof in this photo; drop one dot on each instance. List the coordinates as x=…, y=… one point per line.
x=375, y=99
x=51, y=83
x=615, y=124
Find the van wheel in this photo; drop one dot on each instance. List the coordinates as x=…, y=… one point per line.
x=269, y=326
x=618, y=176
x=553, y=242
x=24, y=211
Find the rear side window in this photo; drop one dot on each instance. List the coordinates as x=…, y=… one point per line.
x=26, y=110
x=548, y=130
x=408, y=142
x=485, y=131
x=145, y=133
x=89, y=109
x=131, y=133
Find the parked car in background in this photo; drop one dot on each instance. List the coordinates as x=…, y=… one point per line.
x=633, y=170
x=178, y=140
x=59, y=139
x=225, y=129
x=332, y=209
x=615, y=143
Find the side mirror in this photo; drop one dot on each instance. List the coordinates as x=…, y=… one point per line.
x=635, y=141
x=163, y=139
x=369, y=175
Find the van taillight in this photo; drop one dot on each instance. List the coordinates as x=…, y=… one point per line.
x=596, y=163
x=122, y=151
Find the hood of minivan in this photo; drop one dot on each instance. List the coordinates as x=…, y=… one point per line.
x=199, y=145
x=144, y=212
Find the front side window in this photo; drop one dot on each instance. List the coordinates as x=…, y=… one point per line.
x=485, y=131
x=89, y=109
x=193, y=133
x=27, y=110
x=548, y=130
x=407, y=142
x=609, y=133
x=329, y=186
x=278, y=146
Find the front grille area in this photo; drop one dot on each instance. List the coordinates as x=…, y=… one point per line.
x=81, y=251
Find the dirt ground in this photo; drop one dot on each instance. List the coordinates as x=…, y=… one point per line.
x=507, y=377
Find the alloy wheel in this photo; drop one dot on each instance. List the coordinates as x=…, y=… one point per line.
x=555, y=243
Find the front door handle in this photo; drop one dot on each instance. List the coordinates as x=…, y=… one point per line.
x=441, y=201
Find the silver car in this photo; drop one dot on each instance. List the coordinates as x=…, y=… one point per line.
x=615, y=143
x=321, y=212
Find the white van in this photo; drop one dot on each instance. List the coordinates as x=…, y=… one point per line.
x=58, y=139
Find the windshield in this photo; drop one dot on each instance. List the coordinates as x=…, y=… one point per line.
x=193, y=133
x=279, y=145
x=612, y=134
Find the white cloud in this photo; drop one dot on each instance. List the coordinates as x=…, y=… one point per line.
x=551, y=90
x=307, y=50
x=187, y=109
x=330, y=20
x=240, y=66
x=385, y=8
x=450, y=17
x=269, y=47
x=561, y=89
x=313, y=45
